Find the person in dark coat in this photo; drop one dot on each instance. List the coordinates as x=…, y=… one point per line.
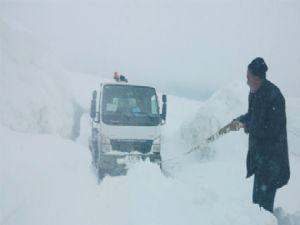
x=265, y=122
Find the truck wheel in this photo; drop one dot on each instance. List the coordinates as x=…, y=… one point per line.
x=101, y=174
x=95, y=156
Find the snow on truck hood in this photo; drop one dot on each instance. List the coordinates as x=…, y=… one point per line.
x=127, y=132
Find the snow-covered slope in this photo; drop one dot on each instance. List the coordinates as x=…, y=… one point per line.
x=37, y=94
x=33, y=92
x=225, y=105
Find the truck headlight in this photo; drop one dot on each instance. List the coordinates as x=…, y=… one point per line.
x=156, y=145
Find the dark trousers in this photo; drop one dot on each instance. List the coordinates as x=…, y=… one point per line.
x=263, y=194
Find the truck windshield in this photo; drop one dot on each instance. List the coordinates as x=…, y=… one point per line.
x=128, y=105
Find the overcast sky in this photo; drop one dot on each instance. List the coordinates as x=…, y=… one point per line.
x=187, y=48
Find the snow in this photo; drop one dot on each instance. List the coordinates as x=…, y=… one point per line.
x=45, y=171
x=26, y=64
x=53, y=184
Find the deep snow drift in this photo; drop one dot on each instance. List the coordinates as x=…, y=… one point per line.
x=47, y=179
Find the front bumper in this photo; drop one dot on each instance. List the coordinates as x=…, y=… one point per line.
x=118, y=164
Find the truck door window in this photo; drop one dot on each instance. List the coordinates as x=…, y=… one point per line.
x=111, y=105
x=154, y=109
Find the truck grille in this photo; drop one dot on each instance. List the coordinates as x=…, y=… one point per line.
x=143, y=146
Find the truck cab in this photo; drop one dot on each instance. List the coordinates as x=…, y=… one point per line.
x=126, y=127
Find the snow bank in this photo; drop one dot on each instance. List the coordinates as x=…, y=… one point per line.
x=293, y=128
x=37, y=95
x=33, y=94
x=225, y=105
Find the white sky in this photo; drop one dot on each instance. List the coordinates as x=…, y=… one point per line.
x=187, y=48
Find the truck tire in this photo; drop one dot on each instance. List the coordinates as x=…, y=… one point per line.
x=95, y=155
x=101, y=173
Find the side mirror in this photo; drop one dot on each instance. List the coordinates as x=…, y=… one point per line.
x=93, y=105
x=164, y=109
x=164, y=98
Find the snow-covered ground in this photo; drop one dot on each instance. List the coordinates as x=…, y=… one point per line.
x=45, y=171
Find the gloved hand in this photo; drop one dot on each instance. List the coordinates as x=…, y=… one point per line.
x=246, y=130
x=236, y=125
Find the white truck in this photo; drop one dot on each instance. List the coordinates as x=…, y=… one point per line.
x=126, y=122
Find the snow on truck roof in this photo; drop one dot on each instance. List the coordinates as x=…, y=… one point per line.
x=102, y=84
x=119, y=79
